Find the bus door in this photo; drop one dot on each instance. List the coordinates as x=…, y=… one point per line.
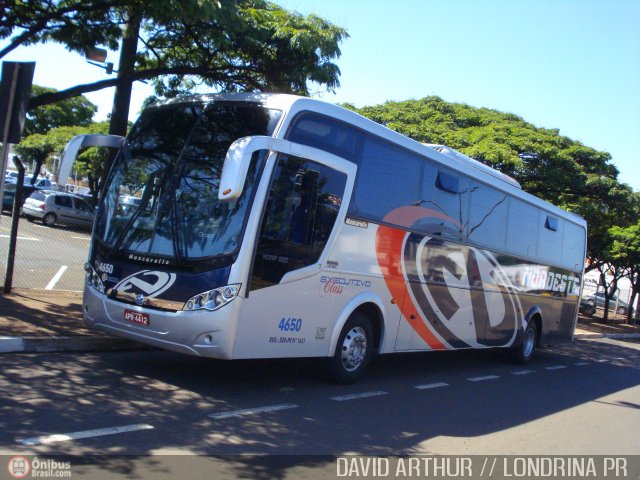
x=287, y=312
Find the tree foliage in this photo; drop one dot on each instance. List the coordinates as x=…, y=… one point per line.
x=76, y=111
x=625, y=252
x=246, y=45
x=30, y=22
x=44, y=148
x=546, y=163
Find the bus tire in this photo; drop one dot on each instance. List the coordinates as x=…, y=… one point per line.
x=353, y=350
x=522, y=353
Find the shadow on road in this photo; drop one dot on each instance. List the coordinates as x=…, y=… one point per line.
x=176, y=394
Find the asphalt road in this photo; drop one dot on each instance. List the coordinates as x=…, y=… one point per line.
x=582, y=398
x=49, y=258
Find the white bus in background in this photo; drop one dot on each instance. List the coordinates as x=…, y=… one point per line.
x=278, y=226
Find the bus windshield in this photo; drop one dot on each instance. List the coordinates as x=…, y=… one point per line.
x=162, y=197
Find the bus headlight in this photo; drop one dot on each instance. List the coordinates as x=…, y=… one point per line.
x=213, y=299
x=93, y=279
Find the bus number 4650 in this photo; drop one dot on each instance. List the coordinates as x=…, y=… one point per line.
x=290, y=324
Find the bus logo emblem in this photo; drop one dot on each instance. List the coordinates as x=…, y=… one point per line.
x=139, y=299
x=435, y=279
x=146, y=283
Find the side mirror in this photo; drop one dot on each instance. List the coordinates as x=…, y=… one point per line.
x=237, y=160
x=236, y=165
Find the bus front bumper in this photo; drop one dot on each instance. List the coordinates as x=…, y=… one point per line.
x=202, y=332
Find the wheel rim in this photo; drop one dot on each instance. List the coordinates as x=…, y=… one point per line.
x=529, y=342
x=354, y=349
x=49, y=220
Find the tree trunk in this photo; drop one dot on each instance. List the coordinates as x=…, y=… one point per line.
x=632, y=315
x=122, y=97
x=126, y=66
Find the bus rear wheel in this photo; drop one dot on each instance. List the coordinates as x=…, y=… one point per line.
x=523, y=352
x=353, y=350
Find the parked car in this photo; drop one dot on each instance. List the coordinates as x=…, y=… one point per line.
x=10, y=194
x=597, y=300
x=55, y=208
x=40, y=182
x=587, y=308
x=10, y=176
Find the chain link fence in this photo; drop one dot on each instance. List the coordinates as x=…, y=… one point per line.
x=53, y=241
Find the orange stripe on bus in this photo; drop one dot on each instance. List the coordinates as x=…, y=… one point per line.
x=389, y=251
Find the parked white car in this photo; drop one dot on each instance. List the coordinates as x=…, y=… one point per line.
x=55, y=208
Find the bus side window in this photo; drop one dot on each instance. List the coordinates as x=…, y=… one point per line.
x=299, y=216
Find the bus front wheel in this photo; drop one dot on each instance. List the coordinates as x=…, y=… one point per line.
x=523, y=352
x=353, y=350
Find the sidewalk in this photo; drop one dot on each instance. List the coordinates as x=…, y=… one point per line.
x=51, y=321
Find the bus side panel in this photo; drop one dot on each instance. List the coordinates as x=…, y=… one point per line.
x=299, y=318
x=459, y=296
x=356, y=259
x=436, y=295
x=292, y=319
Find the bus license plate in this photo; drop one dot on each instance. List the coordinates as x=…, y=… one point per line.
x=136, y=317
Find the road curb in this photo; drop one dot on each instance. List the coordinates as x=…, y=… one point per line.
x=616, y=336
x=77, y=343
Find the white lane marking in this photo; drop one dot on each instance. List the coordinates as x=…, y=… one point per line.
x=81, y=238
x=62, y=437
x=353, y=396
x=253, y=411
x=482, y=379
x=522, y=372
x=56, y=277
x=581, y=364
x=602, y=360
x=23, y=238
x=428, y=386
x=555, y=367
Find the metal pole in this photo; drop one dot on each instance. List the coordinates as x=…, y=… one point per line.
x=15, y=218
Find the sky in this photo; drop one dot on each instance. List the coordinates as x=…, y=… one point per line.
x=573, y=65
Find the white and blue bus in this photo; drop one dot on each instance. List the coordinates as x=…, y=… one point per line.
x=260, y=226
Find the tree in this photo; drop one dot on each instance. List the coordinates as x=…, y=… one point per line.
x=232, y=45
x=609, y=204
x=76, y=111
x=249, y=45
x=625, y=250
x=269, y=48
x=41, y=148
x=35, y=148
x=75, y=23
x=548, y=165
